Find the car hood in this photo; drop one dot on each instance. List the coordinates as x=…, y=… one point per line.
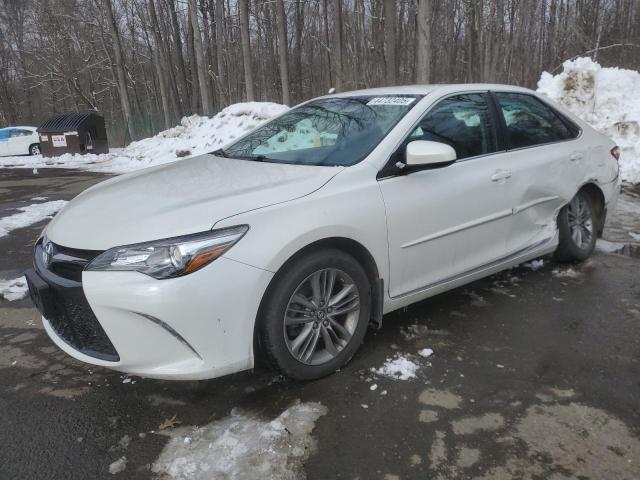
x=180, y=198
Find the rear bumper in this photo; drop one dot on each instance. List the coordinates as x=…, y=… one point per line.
x=188, y=328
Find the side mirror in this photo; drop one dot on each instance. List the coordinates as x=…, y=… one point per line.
x=423, y=154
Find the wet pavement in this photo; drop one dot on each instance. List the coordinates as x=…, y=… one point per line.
x=535, y=374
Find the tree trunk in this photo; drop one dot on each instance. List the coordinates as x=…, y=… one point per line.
x=121, y=79
x=201, y=63
x=390, y=41
x=423, y=42
x=158, y=66
x=220, y=42
x=243, y=6
x=281, y=20
x=177, y=41
x=337, y=44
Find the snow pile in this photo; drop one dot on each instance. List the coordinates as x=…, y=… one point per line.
x=398, y=368
x=606, y=98
x=242, y=447
x=13, y=289
x=29, y=215
x=194, y=136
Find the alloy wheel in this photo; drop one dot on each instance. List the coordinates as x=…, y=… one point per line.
x=321, y=316
x=580, y=222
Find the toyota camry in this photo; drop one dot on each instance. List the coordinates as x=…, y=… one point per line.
x=287, y=244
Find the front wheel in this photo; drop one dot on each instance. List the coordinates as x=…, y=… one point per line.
x=576, y=224
x=316, y=314
x=34, y=149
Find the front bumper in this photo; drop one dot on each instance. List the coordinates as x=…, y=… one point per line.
x=187, y=328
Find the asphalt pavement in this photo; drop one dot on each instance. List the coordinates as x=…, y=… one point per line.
x=535, y=374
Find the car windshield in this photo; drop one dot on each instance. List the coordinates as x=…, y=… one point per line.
x=331, y=131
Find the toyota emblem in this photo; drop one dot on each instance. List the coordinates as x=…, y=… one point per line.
x=47, y=252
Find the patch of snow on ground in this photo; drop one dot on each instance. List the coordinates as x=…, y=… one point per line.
x=534, y=264
x=606, y=98
x=13, y=289
x=398, y=368
x=29, y=215
x=606, y=246
x=194, y=136
x=566, y=273
x=425, y=352
x=635, y=236
x=118, y=466
x=241, y=447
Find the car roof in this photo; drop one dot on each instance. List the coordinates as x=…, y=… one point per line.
x=427, y=89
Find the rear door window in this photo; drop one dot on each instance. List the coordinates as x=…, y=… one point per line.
x=462, y=121
x=530, y=122
x=20, y=133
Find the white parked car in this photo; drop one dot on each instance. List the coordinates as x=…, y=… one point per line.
x=290, y=242
x=19, y=141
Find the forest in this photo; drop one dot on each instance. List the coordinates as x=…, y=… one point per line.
x=144, y=64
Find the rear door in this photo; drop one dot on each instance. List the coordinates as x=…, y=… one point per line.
x=447, y=221
x=4, y=141
x=546, y=163
x=19, y=141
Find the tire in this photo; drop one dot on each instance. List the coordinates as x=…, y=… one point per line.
x=292, y=310
x=577, y=227
x=34, y=149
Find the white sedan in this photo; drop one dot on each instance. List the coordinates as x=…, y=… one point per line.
x=290, y=242
x=19, y=141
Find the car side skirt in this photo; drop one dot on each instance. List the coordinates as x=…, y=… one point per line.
x=532, y=251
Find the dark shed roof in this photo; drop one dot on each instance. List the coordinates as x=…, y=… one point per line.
x=65, y=122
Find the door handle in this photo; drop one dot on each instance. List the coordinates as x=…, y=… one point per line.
x=500, y=175
x=576, y=156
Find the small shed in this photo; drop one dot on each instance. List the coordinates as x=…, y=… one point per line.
x=74, y=132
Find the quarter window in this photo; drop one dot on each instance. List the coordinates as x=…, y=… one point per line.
x=20, y=133
x=530, y=122
x=461, y=121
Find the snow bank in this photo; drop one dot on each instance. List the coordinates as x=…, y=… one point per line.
x=606, y=98
x=241, y=447
x=13, y=289
x=194, y=136
x=29, y=215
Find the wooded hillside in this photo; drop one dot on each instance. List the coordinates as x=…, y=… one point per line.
x=146, y=63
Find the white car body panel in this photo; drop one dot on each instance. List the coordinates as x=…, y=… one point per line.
x=426, y=232
x=181, y=198
x=19, y=145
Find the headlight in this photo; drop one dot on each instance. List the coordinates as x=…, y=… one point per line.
x=172, y=257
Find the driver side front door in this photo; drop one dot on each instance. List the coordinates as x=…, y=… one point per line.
x=447, y=221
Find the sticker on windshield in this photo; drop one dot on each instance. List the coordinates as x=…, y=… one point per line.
x=403, y=101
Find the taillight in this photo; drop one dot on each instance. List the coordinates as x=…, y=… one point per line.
x=615, y=153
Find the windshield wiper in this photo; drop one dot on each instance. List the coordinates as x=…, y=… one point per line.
x=220, y=153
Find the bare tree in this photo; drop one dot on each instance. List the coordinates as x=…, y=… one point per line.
x=201, y=63
x=282, y=51
x=121, y=79
x=337, y=44
x=61, y=55
x=423, y=42
x=243, y=6
x=390, y=40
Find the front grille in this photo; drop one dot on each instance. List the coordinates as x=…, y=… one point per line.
x=70, y=262
x=69, y=312
x=74, y=321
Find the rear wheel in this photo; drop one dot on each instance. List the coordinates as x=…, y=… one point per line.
x=577, y=227
x=316, y=314
x=34, y=149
